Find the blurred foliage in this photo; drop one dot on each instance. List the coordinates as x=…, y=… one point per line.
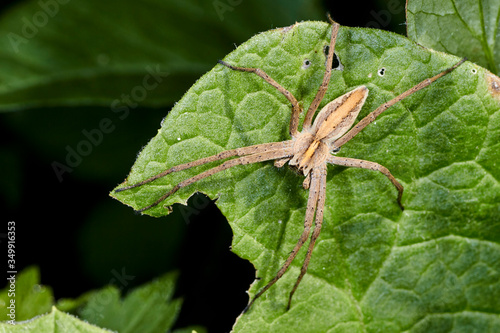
x=148, y=308
x=30, y=298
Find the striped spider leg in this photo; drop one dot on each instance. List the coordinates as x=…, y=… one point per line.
x=308, y=151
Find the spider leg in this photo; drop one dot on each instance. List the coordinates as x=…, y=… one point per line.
x=220, y=156
x=326, y=79
x=356, y=163
x=374, y=114
x=281, y=162
x=296, y=109
x=254, y=158
x=311, y=208
x=307, y=182
x=321, y=173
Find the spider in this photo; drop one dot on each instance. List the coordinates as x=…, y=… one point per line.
x=308, y=152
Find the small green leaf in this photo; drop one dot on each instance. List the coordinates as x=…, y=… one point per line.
x=54, y=322
x=30, y=298
x=466, y=28
x=148, y=308
x=374, y=267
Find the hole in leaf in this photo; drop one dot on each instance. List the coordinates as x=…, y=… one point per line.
x=326, y=49
x=336, y=64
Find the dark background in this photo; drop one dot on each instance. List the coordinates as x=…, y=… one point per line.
x=80, y=238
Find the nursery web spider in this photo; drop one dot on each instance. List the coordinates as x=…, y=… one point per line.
x=308, y=151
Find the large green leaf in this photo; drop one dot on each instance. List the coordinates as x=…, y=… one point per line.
x=122, y=54
x=374, y=268
x=466, y=28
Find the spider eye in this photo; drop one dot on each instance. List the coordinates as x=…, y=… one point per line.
x=306, y=64
x=381, y=72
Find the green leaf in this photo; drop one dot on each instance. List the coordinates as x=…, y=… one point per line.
x=374, y=267
x=56, y=321
x=466, y=28
x=89, y=52
x=25, y=296
x=148, y=308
